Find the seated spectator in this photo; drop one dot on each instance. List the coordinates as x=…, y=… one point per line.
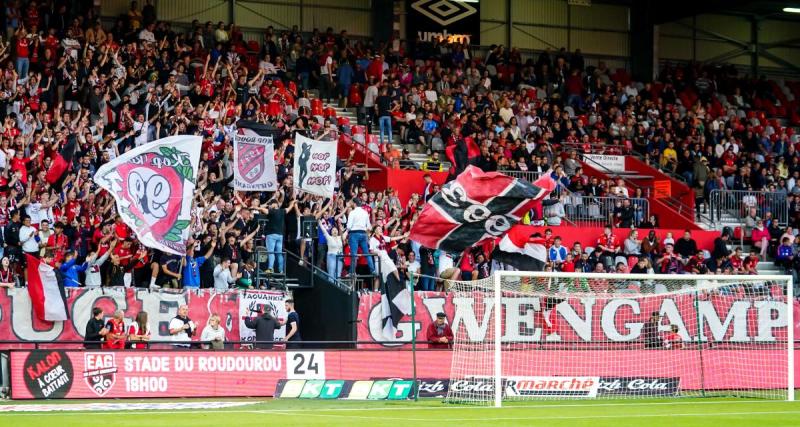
x=632, y=246
x=608, y=246
x=686, y=246
x=784, y=255
x=651, y=246
x=557, y=254
x=554, y=210
x=670, y=262
x=760, y=237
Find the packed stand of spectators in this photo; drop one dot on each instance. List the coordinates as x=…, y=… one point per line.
x=116, y=88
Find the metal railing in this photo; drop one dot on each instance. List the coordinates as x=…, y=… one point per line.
x=733, y=206
x=599, y=211
x=671, y=202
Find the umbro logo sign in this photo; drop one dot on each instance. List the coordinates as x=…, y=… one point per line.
x=444, y=12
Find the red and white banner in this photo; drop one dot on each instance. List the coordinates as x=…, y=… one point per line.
x=46, y=290
x=314, y=166
x=153, y=186
x=254, y=162
x=21, y=325
x=587, y=320
x=71, y=374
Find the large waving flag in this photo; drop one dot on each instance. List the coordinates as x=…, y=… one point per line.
x=46, y=290
x=476, y=206
x=154, y=188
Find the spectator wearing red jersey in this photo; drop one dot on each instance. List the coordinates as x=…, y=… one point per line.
x=139, y=331
x=439, y=334
x=608, y=247
x=115, y=338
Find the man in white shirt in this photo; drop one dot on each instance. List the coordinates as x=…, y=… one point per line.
x=141, y=127
x=27, y=237
x=182, y=328
x=412, y=266
x=358, y=224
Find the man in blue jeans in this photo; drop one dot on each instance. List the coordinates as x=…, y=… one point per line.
x=383, y=107
x=276, y=223
x=357, y=225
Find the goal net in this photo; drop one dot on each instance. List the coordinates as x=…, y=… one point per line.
x=587, y=335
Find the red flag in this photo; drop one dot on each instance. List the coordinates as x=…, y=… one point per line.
x=46, y=290
x=62, y=161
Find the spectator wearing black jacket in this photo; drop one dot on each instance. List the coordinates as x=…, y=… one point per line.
x=95, y=330
x=720, y=247
x=686, y=247
x=265, y=325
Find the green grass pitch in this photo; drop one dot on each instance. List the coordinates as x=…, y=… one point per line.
x=595, y=413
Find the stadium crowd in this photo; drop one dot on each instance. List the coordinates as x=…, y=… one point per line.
x=121, y=86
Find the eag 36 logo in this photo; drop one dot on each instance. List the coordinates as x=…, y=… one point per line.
x=100, y=372
x=444, y=12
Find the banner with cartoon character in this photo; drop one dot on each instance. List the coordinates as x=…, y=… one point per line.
x=254, y=162
x=314, y=166
x=153, y=186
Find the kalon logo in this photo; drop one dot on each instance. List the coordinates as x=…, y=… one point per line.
x=48, y=374
x=100, y=372
x=444, y=12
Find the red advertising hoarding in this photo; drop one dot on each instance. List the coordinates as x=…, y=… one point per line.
x=603, y=320
x=55, y=374
x=20, y=325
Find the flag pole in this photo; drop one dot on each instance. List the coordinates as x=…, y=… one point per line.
x=414, y=342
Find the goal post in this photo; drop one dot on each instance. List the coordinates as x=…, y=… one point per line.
x=596, y=335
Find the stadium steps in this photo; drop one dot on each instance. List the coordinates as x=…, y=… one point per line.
x=418, y=157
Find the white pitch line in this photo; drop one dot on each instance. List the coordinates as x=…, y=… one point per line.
x=403, y=408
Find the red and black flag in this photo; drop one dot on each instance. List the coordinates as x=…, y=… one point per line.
x=62, y=162
x=522, y=248
x=463, y=153
x=474, y=207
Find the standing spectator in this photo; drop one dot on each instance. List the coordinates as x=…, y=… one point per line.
x=276, y=224
x=29, y=238
x=115, y=337
x=139, y=331
x=439, y=334
x=650, y=332
x=265, y=325
x=383, y=106
x=182, y=328
x=213, y=333
x=95, y=330
x=191, y=269
x=11, y=234
x=358, y=223
x=293, y=337
x=334, y=260
x=222, y=275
